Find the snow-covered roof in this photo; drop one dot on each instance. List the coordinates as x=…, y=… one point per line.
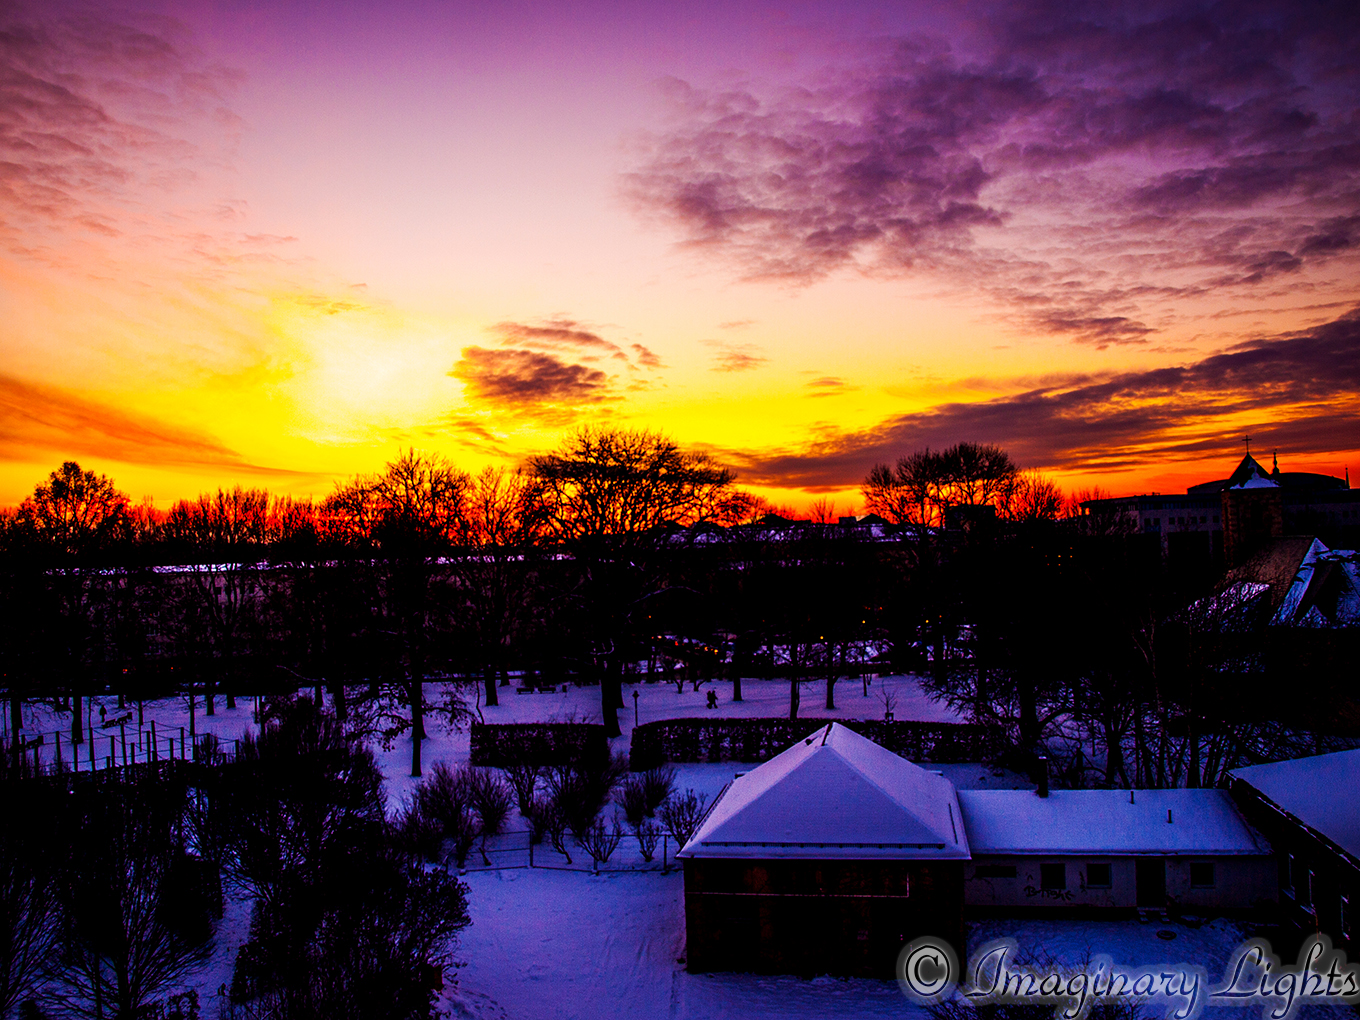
x=1318, y=791
x=835, y=794
x=1104, y=823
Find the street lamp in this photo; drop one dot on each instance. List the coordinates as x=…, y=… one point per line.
x=635, y=708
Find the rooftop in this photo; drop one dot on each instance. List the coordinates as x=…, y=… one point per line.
x=1318, y=791
x=1106, y=823
x=835, y=794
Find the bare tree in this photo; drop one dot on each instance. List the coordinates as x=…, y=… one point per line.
x=71, y=518
x=503, y=520
x=222, y=537
x=611, y=497
x=409, y=516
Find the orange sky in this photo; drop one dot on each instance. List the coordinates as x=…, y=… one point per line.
x=241, y=245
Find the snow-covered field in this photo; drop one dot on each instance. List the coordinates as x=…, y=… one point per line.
x=558, y=942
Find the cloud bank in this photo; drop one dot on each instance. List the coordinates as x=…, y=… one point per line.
x=1300, y=393
x=1086, y=165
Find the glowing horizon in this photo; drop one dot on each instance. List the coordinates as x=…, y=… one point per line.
x=242, y=244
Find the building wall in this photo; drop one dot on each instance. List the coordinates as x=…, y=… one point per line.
x=1318, y=882
x=1251, y=517
x=816, y=917
x=1239, y=883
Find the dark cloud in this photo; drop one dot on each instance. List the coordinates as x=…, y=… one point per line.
x=1302, y=394
x=735, y=357
x=647, y=358
x=553, y=335
x=42, y=420
x=523, y=380
x=1079, y=161
x=829, y=386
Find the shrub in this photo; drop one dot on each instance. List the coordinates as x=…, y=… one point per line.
x=554, y=824
x=446, y=797
x=600, y=842
x=416, y=834
x=681, y=815
x=579, y=791
x=490, y=798
x=648, y=836
x=524, y=780
x=632, y=797
x=657, y=784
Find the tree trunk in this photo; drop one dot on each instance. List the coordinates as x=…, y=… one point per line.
x=417, y=722
x=209, y=701
x=77, y=727
x=341, y=704
x=1029, y=710
x=614, y=671
x=611, y=698
x=489, y=681
x=16, y=723
x=736, y=683
x=795, y=694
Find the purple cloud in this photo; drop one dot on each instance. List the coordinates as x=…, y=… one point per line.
x=1083, y=163
x=529, y=382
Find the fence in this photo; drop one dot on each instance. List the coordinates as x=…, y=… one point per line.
x=514, y=850
x=53, y=752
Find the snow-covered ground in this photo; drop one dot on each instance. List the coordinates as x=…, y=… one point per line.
x=554, y=941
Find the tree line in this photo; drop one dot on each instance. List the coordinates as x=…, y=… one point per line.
x=622, y=553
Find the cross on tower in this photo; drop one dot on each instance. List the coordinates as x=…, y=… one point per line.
x=1247, y=440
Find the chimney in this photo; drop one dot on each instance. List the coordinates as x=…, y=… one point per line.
x=1041, y=773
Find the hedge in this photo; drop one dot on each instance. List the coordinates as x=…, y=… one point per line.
x=757, y=740
x=503, y=744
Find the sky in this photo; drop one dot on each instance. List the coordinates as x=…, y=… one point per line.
x=273, y=244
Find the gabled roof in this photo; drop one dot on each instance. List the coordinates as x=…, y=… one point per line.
x=1104, y=823
x=1318, y=791
x=1277, y=563
x=838, y=795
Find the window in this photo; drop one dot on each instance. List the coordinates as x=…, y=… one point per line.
x=1215, y=518
x=1053, y=876
x=1098, y=875
x=1202, y=875
x=994, y=871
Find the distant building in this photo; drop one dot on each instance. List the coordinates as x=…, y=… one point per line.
x=835, y=853
x=1264, y=504
x=1289, y=582
x=1308, y=809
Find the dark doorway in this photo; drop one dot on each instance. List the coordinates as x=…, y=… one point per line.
x=1151, y=876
